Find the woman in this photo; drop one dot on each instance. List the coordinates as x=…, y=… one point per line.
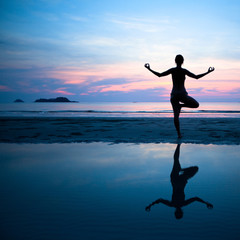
x=179, y=95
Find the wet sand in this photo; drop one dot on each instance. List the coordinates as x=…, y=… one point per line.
x=118, y=130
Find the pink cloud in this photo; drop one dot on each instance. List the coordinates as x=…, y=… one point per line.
x=135, y=77
x=62, y=91
x=131, y=86
x=5, y=89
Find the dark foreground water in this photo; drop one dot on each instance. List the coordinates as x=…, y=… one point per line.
x=100, y=191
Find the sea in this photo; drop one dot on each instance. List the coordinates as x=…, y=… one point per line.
x=117, y=109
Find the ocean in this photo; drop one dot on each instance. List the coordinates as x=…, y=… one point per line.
x=117, y=109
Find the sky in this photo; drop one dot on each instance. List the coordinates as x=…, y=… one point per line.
x=95, y=50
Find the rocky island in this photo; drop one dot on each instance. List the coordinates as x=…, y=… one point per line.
x=18, y=101
x=58, y=99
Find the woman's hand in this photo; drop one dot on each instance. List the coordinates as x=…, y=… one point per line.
x=147, y=65
x=211, y=69
x=209, y=205
x=148, y=209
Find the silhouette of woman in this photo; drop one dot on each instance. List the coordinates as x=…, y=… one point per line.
x=179, y=181
x=179, y=95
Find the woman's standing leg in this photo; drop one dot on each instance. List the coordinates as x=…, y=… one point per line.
x=186, y=101
x=176, y=111
x=176, y=165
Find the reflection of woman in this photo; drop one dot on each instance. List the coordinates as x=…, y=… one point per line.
x=179, y=182
x=179, y=93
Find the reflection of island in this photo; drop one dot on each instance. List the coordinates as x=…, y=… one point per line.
x=58, y=99
x=179, y=178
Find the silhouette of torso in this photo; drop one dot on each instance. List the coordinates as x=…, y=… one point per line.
x=178, y=195
x=178, y=79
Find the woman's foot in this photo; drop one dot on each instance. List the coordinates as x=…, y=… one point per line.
x=179, y=136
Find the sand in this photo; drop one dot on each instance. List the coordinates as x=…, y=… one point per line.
x=118, y=130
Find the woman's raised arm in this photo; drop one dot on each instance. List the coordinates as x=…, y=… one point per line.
x=147, y=65
x=192, y=75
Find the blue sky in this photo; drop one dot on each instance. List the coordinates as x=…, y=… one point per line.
x=95, y=50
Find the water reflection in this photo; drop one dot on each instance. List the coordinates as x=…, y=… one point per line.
x=179, y=179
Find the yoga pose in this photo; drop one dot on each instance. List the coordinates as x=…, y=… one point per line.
x=179, y=178
x=179, y=95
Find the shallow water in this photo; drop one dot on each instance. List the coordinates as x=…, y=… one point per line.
x=100, y=191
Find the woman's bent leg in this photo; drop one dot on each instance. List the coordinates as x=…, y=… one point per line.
x=189, y=102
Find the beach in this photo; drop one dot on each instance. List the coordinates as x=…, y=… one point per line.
x=85, y=174
x=118, y=130
x=90, y=97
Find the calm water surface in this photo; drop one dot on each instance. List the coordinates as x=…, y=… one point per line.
x=117, y=109
x=100, y=191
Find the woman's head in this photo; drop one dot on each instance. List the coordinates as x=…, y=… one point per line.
x=179, y=60
x=178, y=213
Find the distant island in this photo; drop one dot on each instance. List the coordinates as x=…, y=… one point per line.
x=18, y=101
x=58, y=99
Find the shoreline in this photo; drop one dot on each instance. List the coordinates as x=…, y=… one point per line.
x=118, y=130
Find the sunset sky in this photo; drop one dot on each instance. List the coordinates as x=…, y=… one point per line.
x=95, y=50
